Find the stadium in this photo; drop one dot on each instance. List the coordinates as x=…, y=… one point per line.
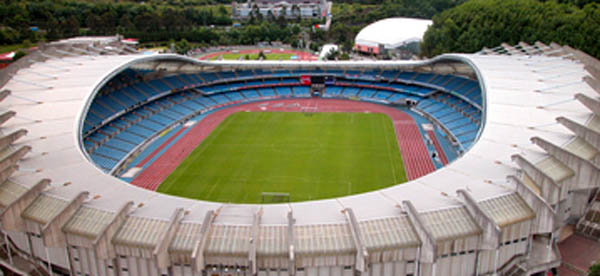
x=498, y=151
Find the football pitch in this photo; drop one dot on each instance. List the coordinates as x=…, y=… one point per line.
x=308, y=155
x=269, y=56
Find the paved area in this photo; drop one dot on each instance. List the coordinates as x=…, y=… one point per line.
x=578, y=254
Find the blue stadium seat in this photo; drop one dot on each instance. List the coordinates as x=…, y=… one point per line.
x=382, y=95
x=160, y=86
x=227, y=75
x=266, y=92
x=397, y=97
x=290, y=81
x=389, y=75
x=283, y=90
x=303, y=91
x=174, y=82
x=196, y=79
x=235, y=96
x=254, y=83
x=128, y=136
x=407, y=76
x=104, y=162
x=220, y=99
x=272, y=81
x=424, y=77
x=235, y=85
x=208, y=77
x=250, y=94
x=350, y=91
x=367, y=93
x=245, y=74
x=281, y=73
x=333, y=90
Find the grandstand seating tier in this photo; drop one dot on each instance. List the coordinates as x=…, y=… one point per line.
x=145, y=114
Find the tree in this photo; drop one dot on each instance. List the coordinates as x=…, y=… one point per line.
x=262, y=56
x=332, y=54
x=594, y=270
x=8, y=36
x=182, y=47
x=52, y=30
x=125, y=23
x=94, y=22
x=26, y=44
x=223, y=10
x=487, y=23
x=70, y=27
x=296, y=11
x=270, y=16
x=18, y=54
x=255, y=11
x=108, y=20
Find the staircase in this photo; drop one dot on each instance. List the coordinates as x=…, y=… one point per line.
x=515, y=270
x=19, y=262
x=589, y=224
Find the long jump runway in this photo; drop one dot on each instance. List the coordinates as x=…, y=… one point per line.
x=410, y=141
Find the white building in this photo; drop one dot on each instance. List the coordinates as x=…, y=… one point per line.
x=389, y=35
x=289, y=9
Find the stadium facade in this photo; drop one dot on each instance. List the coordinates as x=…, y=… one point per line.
x=497, y=209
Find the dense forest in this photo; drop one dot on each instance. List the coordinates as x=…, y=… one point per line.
x=459, y=26
x=478, y=23
x=60, y=19
x=199, y=21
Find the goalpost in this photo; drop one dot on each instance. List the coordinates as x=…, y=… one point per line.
x=309, y=110
x=270, y=197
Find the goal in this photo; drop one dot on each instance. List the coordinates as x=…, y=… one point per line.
x=270, y=197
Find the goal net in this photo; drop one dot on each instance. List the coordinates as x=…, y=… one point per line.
x=270, y=197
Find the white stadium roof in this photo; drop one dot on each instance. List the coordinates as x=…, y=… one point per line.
x=392, y=32
x=515, y=112
x=523, y=97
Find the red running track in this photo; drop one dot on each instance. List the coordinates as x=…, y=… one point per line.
x=412, y=147
x=301, y=55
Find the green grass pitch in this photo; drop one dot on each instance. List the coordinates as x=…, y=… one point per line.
x=308, y=155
